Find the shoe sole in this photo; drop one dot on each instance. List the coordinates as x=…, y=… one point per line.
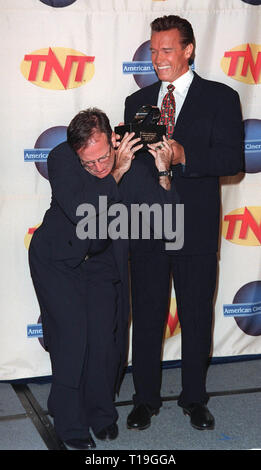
x=107, y=438
x=111, y=438
x=92, y=446
x=138, y=428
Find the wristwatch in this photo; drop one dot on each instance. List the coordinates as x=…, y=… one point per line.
x=165, y=173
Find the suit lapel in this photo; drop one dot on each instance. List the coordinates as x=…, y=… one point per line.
x=191, y=104
x=152, y=93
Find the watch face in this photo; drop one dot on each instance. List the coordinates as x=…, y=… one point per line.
x=164, y=173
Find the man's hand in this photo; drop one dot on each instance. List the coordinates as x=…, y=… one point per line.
x=163, y=154
x=124, y=155
x=178, y=153
x=115, y=138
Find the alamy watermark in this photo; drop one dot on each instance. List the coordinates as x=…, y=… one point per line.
x=137, y=221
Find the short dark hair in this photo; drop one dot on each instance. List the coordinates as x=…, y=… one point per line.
x=85, y=124
x=184, y=27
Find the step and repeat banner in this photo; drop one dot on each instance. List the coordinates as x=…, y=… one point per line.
x=61, y=56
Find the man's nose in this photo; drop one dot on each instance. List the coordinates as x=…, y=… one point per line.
x=99, y=166
x=158, y=57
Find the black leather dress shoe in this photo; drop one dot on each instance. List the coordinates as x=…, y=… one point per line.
x=139, y=418
x=200, y=416
x=81, y=443
x=109, y=432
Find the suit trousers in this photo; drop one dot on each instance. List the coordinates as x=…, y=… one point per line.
x=79, y=312
x=194, y=282
x=91, y=405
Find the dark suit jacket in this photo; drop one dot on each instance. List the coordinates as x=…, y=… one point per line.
x=210, y=128
x=56, y=245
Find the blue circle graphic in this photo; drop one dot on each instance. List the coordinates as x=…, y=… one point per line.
x=249, y=294
x=252, y=2
x=143, y=54
x=58, y=3
x=48, y=140
x=252, y=145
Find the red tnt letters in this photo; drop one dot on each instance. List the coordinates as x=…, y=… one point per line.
x=52, y=63
x=247, y=221
x=255, y=67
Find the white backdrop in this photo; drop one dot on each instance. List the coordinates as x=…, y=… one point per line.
x=58, y=60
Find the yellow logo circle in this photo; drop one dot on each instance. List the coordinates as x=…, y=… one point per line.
x=243, y=63
x=57, y=68
x=243, y=226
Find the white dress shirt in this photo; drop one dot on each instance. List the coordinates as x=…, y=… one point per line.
x=181, y=85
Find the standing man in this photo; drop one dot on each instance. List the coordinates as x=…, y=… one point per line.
x=82, y=282
x=204, y=126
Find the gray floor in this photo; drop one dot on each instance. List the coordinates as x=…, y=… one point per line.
x=235, y=401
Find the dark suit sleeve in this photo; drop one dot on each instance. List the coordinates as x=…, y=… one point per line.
x=72, y=185
x=138, y=187
x=218, y=151
x=129, y=110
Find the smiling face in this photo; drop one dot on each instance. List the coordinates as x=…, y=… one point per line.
x=169, y=57
x=97, y=157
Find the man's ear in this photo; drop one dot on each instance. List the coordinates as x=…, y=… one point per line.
x=189, y=51
x=113, y=139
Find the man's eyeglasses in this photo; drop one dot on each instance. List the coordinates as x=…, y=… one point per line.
x=91, y=164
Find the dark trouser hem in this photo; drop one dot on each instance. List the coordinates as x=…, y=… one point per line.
x=183, y=403
x=155, y=404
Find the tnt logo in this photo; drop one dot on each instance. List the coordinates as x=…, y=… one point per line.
x=243, y=226
x=173, y=324
x=243, y=63
x=58, y=68
x=29, y=234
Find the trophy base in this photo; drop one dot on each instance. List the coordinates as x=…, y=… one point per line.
x=149, y=134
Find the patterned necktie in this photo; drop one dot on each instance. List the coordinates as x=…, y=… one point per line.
x=168, y=111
